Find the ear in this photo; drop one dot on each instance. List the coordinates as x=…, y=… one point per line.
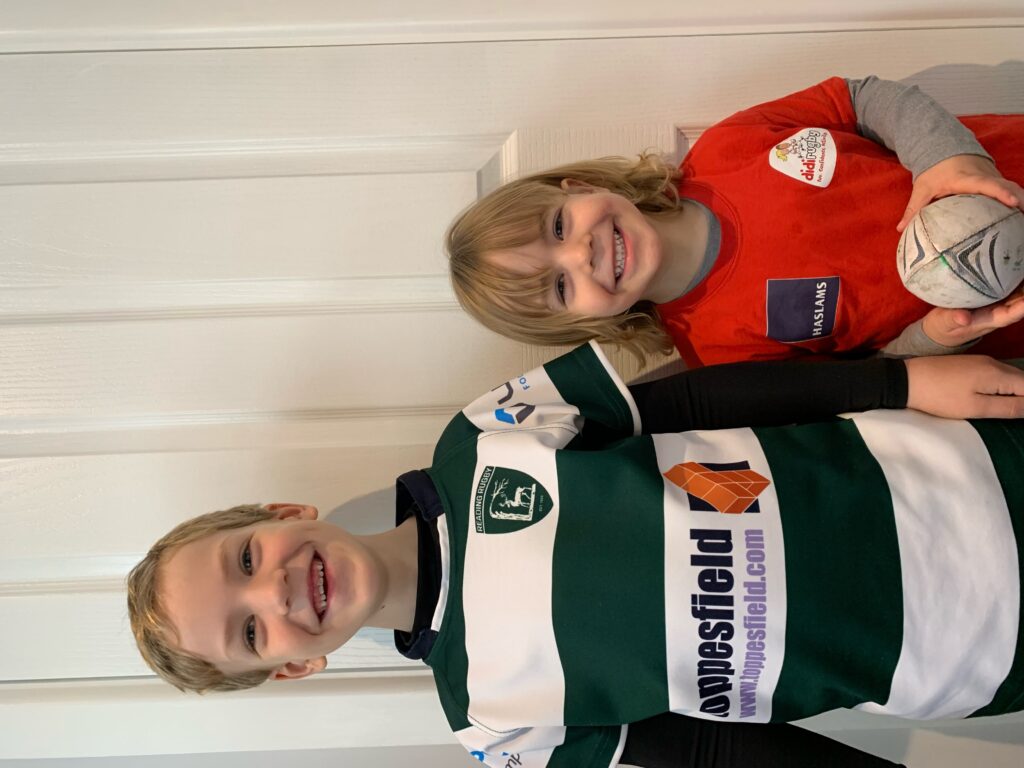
x=293, y=511
x=577, y=187
x=294, y=670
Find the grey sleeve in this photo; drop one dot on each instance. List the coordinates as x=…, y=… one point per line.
x=910, y=123
x=914, y=342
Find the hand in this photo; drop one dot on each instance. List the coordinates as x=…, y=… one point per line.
x=965, y=387
x=961, y=175
x=953, y=327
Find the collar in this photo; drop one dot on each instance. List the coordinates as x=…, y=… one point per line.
x=724, y=238
x=416, y=496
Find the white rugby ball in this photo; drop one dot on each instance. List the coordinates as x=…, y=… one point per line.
x=963, y=251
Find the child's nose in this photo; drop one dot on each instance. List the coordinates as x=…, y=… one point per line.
x=581, y=252
x=270, y=591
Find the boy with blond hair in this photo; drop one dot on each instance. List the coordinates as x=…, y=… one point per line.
x=589, y=593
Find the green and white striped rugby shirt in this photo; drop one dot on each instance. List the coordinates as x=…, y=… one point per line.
x=594, y=577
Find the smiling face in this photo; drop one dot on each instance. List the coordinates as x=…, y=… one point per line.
x=279, y=594
x=602, y=253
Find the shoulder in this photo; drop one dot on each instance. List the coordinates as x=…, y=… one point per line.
x=459, y=430
x=827, y=101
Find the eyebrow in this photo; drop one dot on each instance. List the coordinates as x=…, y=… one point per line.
x=546, y=221
x=223, y=558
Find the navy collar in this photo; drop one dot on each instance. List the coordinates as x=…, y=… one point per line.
x=416, y=496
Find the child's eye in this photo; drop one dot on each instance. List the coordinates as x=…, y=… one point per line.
x=245, y=557
x=560, y=288
x=249, y=633
x=556, y=224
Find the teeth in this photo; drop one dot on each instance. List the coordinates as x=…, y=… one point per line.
x=620, y=254
x=319, y=573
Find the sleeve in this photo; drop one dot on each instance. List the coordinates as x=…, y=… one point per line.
x=914, y=342
x=769, y=393
x=576, y=394
x=731, y=145
x=910, y=123
x=676, y=741
x=552, y=747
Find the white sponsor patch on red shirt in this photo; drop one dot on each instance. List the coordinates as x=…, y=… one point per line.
x=809, y=156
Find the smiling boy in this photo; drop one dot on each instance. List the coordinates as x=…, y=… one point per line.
x=283, y=593
x=589, y=596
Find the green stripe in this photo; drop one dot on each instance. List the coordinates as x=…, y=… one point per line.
x=452, y=706
x=582, y=380
x=586, y=747
x=608, y=590
x=1005, y=443
x=844, y=616
x=453, y=479
x=459, y=430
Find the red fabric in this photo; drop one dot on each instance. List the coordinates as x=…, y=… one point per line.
x=776, y=227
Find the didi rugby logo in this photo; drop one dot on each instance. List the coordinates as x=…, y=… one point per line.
x=729, y=488
x=808, y=156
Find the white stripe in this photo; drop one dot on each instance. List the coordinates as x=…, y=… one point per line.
x=681, y=578
x=514, y=674
x=442, y=599
x=961, y=590
x=492, y=411
x=620, y=748
x=623, y=389
x=533, y=747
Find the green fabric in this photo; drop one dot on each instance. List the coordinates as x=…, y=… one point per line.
x=843, y=579
x=608, y=583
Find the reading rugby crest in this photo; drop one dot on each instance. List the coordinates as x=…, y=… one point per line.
x=508, y=500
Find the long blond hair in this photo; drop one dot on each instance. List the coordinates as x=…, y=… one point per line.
x=153, y=630
x=512, y=216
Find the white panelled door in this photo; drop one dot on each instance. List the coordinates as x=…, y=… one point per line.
x=222, y=281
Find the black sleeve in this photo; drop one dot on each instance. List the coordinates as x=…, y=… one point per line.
x=677, y=741
x=764, y=394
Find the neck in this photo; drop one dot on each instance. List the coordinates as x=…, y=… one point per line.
x=684, y=239
x=398, y=553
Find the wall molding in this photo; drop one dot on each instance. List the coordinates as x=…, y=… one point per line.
x=197, y=432
x=34, y=576
x=50, y=26
x=171, y=300
x=91, y=161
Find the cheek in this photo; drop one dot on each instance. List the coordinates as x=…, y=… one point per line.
x=286, y=639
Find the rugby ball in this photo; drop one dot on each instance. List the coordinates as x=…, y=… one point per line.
x=963, y=251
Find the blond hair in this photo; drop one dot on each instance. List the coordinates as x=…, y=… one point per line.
x=512, y=216
x=153, y=630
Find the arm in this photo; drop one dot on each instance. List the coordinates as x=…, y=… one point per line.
x=945, y=159
x=677, y=741
x=783, y=392
x=768, y=393
x=949, y=331
x=915, y=341
x=943, y=155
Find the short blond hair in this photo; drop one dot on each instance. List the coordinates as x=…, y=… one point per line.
x=512, y=216
x=153, y=630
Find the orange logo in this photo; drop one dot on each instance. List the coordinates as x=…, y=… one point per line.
x=727, y=490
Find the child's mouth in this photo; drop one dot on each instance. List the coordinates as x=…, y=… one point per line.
x=620, y=253
x=318, y=587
